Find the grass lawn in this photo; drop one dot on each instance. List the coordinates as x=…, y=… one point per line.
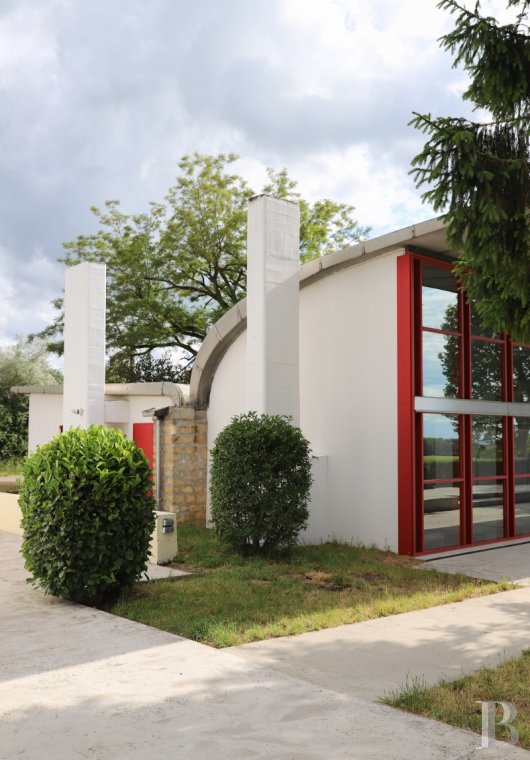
x=232, y=599
x=455, y=702
x=10, y=466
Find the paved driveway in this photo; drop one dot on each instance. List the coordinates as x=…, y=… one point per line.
x=510, y=563
x=79, y=683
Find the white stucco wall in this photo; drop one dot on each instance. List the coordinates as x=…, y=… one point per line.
x=348, y=368
x=348, y=395
x=137, y=404
x=45, y=418
x=46, y=414
x=228, y=393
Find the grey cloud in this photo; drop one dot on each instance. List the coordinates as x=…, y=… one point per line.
x=114, y=86
x=255, y=96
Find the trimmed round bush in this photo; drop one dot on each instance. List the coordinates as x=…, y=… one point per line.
x=87, y=514
x=260, y=482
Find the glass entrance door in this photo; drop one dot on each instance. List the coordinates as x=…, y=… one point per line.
x=465, y=490
x=442, y=481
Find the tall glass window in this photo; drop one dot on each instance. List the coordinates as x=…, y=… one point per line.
x=487, y=448
x=488, y=510
x=474, y=468
x=442, y=480
x=441, y=333
x=439, y=299
x=521, y=373
x=487, y=361
x=521, y=450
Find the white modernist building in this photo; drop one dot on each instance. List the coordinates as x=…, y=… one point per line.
x=124, y=407
x=418, y=416
x=84, y=399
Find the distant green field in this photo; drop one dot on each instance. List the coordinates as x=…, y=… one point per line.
x=440, y=458
x=10, y=466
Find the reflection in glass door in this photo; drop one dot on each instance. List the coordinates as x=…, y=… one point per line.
x=442, y=481
x=488, y=510
x=489, y=476
x=464, y=490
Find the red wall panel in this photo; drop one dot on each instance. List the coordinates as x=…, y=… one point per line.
x=143, y=437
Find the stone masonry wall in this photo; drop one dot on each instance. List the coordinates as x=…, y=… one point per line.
x=183, y=464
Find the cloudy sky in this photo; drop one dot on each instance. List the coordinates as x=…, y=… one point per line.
x=100, y=98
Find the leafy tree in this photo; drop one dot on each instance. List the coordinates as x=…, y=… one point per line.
x=146, y=368
x=325, y=226
x=478, y=171
x=174, y=270
x=20, y=365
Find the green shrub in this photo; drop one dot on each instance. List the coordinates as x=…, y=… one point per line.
x=87, y=514
x=260, y=482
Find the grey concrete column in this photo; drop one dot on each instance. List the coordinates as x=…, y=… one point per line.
x=273, y=263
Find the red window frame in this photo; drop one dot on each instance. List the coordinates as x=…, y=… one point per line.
x=410, y=424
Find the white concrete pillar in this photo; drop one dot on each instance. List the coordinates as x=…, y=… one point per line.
x=273, y=263
x=84, y=346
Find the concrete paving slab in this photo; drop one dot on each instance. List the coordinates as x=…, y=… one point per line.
x=511, y=563
x=80, y=683
x=11, y=563
x=156, y=572
x=12, y=569
x=371, y=659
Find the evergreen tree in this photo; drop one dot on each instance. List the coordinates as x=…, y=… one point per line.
x=478, y=172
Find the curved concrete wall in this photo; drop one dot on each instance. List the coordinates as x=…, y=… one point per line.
x=348, y=395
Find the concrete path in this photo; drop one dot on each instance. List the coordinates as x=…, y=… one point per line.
x=496, y=564
x=371, y=659
x=79, y=683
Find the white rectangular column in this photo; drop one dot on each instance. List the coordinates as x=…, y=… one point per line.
x=273, y=263
x=84, y=346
